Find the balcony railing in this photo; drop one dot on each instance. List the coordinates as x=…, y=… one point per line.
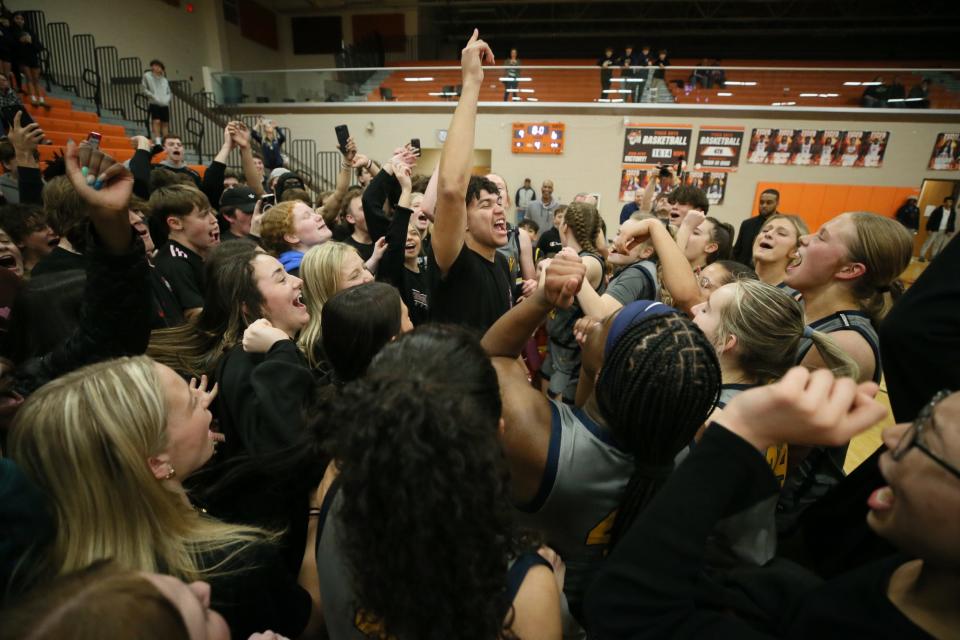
x=762, y=86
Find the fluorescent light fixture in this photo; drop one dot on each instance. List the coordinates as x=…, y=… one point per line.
x=724, y=93
x=533, y=100
x=829, y=95
x=851, y=84
x=616, y=91
x=526, y=90
x=509, y=79
x=783, y=104
x=617, y=80
x=872, y=84
x=423, y=79
x=740, y=83
x=513, y=90
x=808, y=95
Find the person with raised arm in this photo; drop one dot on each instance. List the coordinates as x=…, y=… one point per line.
x=471, y=279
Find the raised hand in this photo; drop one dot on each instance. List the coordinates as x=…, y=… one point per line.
x=561, y=278
x=261, y=335
x=402, y=173
x=804, y=407
x=693, y=219
x=141, y=142
x=473, y=57
x=359, y=159
x=631, y=233
x=350, y=154
x=239, y=134
x=98, y=179
x=204, y=396
x=25, y=139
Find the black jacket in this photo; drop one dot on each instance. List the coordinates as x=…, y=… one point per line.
x=262, y=398
x=909, y=216
x=933, y=224
x=114, y=318
x=657, y=582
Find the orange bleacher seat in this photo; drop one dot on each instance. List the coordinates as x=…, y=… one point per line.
x=114, y=142
x=62, y=114
x=83, y=127
x=47, y=152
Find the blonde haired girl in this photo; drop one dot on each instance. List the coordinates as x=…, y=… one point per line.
x=111, y=444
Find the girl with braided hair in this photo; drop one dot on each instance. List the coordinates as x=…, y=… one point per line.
x=561, y=368
x=579, y=475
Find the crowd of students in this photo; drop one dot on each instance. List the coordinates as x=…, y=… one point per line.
x=231, y=408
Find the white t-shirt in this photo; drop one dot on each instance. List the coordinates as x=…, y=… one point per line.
x=944, y=219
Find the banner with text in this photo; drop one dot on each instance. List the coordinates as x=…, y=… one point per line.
x=646, y=146
x=718, y=148
x=946, y=152
x=818, y=147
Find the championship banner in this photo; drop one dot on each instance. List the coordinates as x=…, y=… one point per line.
x=815, y=147
x=647, y=146
x=946, y=152
x=632, y=181
x=863, y=148
x=715, y=184
x=718, y=148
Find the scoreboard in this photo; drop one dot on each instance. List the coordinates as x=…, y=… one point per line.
x=537, y=137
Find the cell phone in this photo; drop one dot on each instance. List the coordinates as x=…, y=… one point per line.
x=343, y=134
x=415, y=143
x=267, y=201
x=93, y=139
x=9, y=112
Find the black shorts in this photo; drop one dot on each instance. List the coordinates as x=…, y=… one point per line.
x=159, y=113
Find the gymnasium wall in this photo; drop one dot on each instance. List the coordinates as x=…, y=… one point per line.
x=592, y=157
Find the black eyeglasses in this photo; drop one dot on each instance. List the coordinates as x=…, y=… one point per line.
x=912, y=437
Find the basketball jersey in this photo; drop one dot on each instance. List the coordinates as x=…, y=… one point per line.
x=511, y=251
x=790, y=291
x=776, y=454
x=342, y=617
x=575, y=506
x=847, y=321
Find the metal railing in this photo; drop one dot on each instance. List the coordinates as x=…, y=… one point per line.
x=76, y=64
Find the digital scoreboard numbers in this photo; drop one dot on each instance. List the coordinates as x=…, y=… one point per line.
x=537, y=137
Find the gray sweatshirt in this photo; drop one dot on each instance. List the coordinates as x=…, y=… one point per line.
x=156, y=88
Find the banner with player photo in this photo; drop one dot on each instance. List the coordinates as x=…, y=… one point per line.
x=718, y=148
x=946, y=152
x=714, y=184
x=817, y=147
x=647, y=146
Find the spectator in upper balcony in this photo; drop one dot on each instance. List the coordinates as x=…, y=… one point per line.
x=632, y=78
x=662, y=62
x=896, y=91
x=270, y=138
x=512, y=70
x=701, y=75
x=157, y=90
x=606, y=63
x=717, y=77
x=27, y=52
x=919, y=97
x=876, y=95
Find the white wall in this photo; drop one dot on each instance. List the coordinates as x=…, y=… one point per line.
x=592, y=157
